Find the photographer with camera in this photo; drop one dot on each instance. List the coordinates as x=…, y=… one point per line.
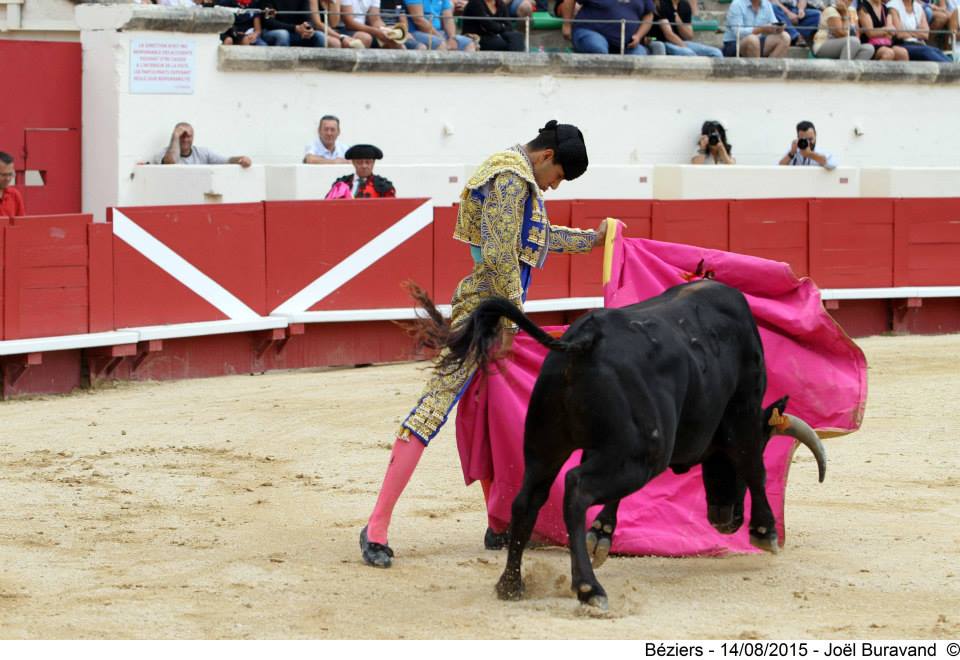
x=803, y=149
x=713, y=145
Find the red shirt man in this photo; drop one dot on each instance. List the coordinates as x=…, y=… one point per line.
x=11, y=202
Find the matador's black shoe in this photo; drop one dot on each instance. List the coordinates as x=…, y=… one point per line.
x=375, y=554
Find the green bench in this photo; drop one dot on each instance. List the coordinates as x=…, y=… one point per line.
x=704, y=25
x=544, y=20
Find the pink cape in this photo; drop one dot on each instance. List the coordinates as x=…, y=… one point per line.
x=808, y=357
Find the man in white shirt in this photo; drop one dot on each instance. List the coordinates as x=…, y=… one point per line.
x=325, y=150
x=803, y=150
x=182, y=151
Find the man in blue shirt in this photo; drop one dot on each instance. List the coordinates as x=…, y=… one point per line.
x=605, y=37
x=433, y=26
x=759, y=32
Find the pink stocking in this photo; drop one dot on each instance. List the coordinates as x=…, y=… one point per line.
x=403, y=461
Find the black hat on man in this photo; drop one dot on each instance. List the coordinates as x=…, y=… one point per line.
x=362, y=152
x=571, y=151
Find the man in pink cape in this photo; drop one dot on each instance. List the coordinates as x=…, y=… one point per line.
x=808, y=357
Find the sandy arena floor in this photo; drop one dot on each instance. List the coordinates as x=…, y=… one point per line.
x=230, y=508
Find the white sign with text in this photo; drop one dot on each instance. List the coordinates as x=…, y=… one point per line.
x=162, y=66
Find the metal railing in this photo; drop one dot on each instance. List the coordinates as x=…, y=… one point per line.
x=526, y=22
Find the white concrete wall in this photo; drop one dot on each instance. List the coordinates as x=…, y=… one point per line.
x=195, y=184
x=753, y=182
x=910, y=182
x=442, y=183
x=450, y=119
x=38, y=20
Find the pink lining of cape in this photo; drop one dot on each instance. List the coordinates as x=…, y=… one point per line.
x=808, y=357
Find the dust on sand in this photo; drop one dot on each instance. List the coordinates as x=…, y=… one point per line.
x=230, y=508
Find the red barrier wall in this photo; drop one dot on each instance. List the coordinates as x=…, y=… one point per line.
x=703, y=223
x=40, y=126
x=224, y=241
x=46, y=283
x=64, y=275
x=586, y=270
x=773, y=229
x=304, y=240
x=851, y=242
x=451, y=258
x=927, y=242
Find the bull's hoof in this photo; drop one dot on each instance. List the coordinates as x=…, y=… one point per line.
x=599, y=602
x=593, y=596
x=765, y=539
x=508, y=589
x=378, y=555
x=599, y=540
x=725, y=519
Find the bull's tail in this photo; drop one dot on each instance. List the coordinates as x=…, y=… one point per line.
x=476, y=340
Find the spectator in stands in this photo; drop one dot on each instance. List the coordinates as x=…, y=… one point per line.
x=487, y=20
x=182, y=151
x=754, y=25
x=673, y=29
x=712, y=146
x=247, y=26
x=873, y=23
x=361, y=20
x=433, y=26
x=363, y=183
x=11, y=201
x=287, y=23
x=325, y=149
x=907, y=17
x=335, y=38
x=839, y=34
x=803, y=150
x=941, y=15
x=606, y=38
x=797, y=14
x=393, y=15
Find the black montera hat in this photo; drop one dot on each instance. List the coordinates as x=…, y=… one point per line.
x=571, y=151
x=360, y=151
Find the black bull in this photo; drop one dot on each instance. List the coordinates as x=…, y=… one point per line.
x=671, y=382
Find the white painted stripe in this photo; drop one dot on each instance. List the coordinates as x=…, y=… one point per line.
x=66, y=342
x=409, y=313
x=204, y=328
x=891, y=292
x=179, y=268
x=359, y=261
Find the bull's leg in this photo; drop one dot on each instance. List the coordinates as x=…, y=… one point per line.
x=537, y=479
x=724, y=490
x=763, y=526
x=603, y=479
x=600, y=534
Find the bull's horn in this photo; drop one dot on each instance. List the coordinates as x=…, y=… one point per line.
x=800, y=430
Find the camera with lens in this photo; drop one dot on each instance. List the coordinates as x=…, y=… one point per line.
x=803, y=143
x=713, y=138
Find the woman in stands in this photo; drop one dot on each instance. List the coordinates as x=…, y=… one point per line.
x=873, y=24
x=713, y=146
x=912, y=31
x=489, y=20
x=838, y=36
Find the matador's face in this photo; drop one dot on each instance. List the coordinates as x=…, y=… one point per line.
x=547, y=173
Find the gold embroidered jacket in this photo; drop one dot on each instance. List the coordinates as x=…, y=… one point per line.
x=502, y=213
